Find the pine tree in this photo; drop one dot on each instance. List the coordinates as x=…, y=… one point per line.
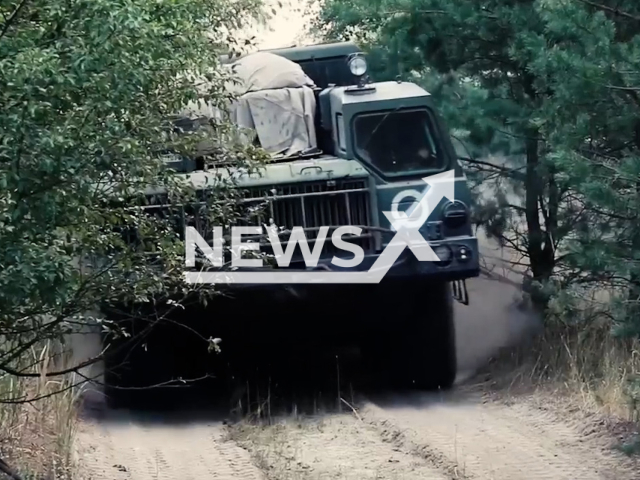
x=550, y=84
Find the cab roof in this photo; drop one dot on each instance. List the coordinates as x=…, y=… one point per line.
x=383, y=91
x=317, y=52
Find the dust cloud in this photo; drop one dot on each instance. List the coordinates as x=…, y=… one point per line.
x=497, y=315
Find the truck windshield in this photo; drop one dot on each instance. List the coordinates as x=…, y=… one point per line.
x=398, y=142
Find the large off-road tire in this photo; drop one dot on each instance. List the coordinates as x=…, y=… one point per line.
x=429, y=342
x=115, y=377
x=129, y=370
x=418, y=349
x=160, y=365
x=120, y=371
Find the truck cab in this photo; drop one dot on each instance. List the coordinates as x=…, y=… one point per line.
x=371, y=142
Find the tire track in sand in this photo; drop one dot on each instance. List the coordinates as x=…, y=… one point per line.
x=128, y=448
x=406, y=437
x=334, y=447
x=493, y=441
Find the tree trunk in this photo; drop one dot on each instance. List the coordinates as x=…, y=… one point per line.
x=633, y=295
x=540, y=245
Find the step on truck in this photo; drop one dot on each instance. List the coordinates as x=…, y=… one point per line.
x=345, y=151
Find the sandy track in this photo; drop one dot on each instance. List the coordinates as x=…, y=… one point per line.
x=340, y=447
x=129, y=447
x=471, y=439
x=407, y=437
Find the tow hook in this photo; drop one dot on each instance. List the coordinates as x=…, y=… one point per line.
x=460, y=292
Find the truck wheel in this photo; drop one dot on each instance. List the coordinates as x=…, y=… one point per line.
x=425, y=347
x=113, y=378
x=128, y=368
x=118, y=373
x=419, y=350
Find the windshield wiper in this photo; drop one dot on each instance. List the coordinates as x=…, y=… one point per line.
x=382, y=120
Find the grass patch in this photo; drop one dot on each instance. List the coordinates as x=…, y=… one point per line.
x=577, y=368
x=36, y=436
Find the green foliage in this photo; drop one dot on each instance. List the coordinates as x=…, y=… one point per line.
x=630, y=448
x=591, y=65
x=553, y=86
x=87, y=89
x=472, y=55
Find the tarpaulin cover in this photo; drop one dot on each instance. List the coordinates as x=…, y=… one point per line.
x=275, y=102
x=278, y=103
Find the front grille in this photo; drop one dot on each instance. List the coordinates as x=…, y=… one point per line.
x=309, y=205
x=313, y=205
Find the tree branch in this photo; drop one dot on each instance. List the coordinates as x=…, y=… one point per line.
x=12, y=18
x=7, y=470
x=615, y=11
x=510, y=172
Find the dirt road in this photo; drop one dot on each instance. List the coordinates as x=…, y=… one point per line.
x=122, y=446
x=458, y=436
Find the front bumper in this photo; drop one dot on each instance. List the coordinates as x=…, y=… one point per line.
x=405, y=267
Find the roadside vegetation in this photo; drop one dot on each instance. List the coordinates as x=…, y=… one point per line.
x=87, y=89
x=37, y=435
x=552, y=87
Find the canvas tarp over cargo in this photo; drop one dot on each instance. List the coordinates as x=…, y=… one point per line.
x=277, y=102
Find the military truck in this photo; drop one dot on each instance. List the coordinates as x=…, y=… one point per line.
x=359, y=146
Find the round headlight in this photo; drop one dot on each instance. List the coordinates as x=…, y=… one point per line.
x=444, y=253
x=358, y=66
x=455, y=214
